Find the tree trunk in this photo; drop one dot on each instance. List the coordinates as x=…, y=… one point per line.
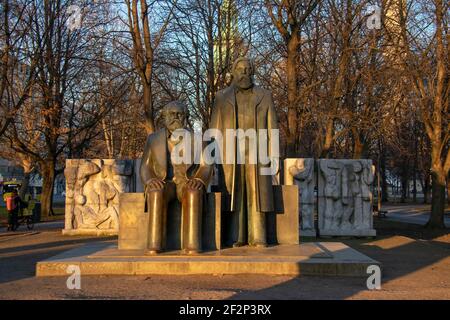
x=404, y=182
x=328, y=138
x=415, y=165
x=292, y=78
x=27, y=170
x=426, y=189
x=359, y=145
x=108, y=136
x=24, y=187
x=48, y=174
x=148, y=108
x=438, y=201
x=437, y=128
x=384, y=184
x=448, y=189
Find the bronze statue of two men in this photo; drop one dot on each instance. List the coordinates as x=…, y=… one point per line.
x=246, y=188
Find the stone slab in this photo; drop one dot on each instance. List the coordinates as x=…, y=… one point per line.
x=89, y=232
x=305, y=180
x=308, y=233
x=345, y=197
x=133, y=221
x=92, y=191
x=283, y=224
x=349, y=233
x=318, y=258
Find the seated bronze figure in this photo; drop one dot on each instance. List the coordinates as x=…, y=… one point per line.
x=166, y=181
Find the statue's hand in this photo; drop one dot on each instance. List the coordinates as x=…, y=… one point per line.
x=155, y=184
x=194, y=184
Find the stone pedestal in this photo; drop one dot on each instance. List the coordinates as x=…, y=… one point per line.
x=133, y=228
x=283, y=224
x=300, y=172
x=133, y=232
x=319, y=259
x=308, y=233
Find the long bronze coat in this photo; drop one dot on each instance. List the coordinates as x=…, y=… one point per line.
x=223, y=117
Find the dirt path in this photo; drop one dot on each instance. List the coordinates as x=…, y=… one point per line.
x=416, y=265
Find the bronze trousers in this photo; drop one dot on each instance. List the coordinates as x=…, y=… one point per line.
x=246, y=224
x=191, y=207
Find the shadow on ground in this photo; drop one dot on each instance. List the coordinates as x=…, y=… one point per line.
x=20, y=262
x=412, y=261
x=414, y=249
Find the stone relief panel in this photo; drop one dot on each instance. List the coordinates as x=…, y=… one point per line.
x=300, y=172
x=92, y=194
x=345, y=197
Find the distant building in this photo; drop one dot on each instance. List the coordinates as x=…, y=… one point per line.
x=9, y=171
x=229, y=44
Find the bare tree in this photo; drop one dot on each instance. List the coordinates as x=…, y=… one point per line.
x=145, y=43
x=426, y=64
x=288, y=17
x=18, y=62
x=53, y=127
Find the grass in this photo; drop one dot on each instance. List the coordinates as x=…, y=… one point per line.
x=3, y=212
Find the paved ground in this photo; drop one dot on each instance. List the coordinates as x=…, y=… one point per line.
x=416, y=265
x=414, y=213
x=37, y=227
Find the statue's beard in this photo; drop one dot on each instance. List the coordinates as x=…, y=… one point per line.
x=175, y=124
x=244, y=82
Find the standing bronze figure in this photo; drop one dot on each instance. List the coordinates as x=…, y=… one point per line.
x=248, y=193
x=166, y=181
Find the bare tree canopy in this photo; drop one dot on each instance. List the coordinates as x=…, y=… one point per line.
x=89, y=78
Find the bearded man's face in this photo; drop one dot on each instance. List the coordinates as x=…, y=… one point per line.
x=175, y=117
x=243, y=75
